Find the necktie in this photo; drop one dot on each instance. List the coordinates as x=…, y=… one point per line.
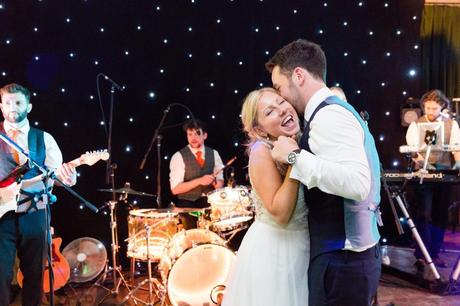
x=13, y=134
x=199, y=158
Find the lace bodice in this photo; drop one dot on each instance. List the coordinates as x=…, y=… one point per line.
x=299, y=215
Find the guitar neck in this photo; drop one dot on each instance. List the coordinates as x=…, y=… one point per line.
x=76, y=162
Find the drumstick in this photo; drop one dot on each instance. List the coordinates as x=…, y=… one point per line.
x=225, y=166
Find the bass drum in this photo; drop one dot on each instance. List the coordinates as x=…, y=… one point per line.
x=194, y=263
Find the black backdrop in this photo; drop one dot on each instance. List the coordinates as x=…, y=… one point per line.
x=205, y=54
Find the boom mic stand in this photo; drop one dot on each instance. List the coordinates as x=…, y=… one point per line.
x=47, y=199
x=157, y=138
x=110, y=179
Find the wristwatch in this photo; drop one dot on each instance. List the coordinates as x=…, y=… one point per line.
x=292, y=156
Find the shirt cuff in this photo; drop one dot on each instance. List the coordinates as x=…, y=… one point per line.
x=302, y=169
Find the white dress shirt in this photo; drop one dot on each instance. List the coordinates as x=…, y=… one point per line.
x=53, y=154
x=339, y=165
x=412, y=134
x=177, y=166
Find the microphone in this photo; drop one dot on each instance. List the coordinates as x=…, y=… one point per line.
x=115, y=84
x=364, y=115
x=445, y=113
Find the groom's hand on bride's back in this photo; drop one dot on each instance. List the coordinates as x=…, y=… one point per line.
x=282, y=147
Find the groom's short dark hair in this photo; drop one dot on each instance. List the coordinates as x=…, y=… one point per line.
x=300, y=53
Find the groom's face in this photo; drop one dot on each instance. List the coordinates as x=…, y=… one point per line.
x=284, y=85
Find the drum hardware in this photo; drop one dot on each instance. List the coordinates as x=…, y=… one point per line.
x=228, y=236
x=154, y=285
x=117, y=275
x=217, y=294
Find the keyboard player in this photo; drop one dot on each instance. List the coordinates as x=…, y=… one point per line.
x=433, y=199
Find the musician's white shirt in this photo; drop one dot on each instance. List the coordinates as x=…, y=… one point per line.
x=177, y=166
x=412, y=135
x=52, y=161
x=53, y=154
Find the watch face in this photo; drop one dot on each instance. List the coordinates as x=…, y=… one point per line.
x=291, y=159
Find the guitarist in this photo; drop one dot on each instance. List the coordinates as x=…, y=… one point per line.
x=23, y=228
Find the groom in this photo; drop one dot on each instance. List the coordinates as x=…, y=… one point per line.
x=337, y=162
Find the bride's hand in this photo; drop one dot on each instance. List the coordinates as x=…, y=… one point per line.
x=282, y=147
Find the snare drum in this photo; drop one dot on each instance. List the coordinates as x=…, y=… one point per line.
x=230, y=208
x=232, y=221
x=163, y=226
x=194, y=262
x=228, y=196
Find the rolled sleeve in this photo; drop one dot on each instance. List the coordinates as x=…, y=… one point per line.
x=176, y=170
x=53, y=154
x=218, y=165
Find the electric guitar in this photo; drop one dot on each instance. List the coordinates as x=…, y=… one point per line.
x=10, y=187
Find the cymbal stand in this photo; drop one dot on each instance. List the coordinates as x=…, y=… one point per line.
x=117, y=275
x=153, y=283
x=232, y=233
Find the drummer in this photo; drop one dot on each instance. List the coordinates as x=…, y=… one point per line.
x=192, y=171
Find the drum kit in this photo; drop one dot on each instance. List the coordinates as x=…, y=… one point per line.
x=192, y=264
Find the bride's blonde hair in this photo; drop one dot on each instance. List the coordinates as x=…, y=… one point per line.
x=250, y=124
x=249, y=113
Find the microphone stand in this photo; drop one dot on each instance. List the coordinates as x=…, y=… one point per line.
x=47, y=199
x=110, y=179
x=157, y=137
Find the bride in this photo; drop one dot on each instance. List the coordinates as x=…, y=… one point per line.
x=272, y=262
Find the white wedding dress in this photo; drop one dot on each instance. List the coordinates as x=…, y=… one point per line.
x=271, y=268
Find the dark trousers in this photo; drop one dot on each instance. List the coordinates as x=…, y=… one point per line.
x=344, y=278
x=24, y=233
x=431, y=216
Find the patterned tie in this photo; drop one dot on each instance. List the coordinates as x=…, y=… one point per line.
x=13, y=134
x=199, y=158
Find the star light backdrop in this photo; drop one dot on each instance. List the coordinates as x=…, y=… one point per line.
x=204, y=54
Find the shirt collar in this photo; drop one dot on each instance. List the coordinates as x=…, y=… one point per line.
x=22, y=127
x=315, y=100
x=439, y=119
x=196, y=150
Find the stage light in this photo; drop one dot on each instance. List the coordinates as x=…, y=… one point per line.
x=410, y=111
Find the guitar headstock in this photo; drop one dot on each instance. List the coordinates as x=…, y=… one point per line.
x=92, y=157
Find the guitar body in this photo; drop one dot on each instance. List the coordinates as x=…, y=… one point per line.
x=11, y=185
x=60, y=266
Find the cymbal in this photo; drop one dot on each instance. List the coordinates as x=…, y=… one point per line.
x=87, y=258
x=127, y=190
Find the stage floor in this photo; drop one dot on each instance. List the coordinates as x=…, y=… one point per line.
x=398, y=284
x=391, y=290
